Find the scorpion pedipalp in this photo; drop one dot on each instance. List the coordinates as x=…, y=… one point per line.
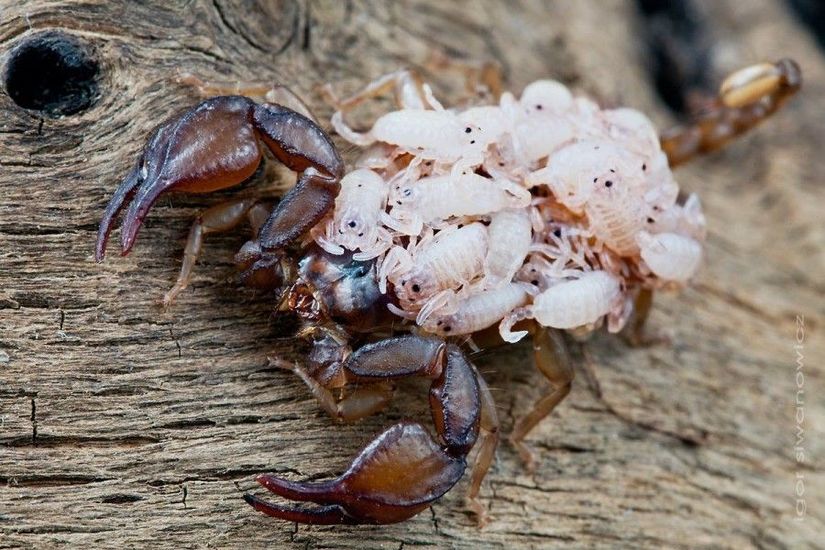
x=216, y=145
x=403, y=470
x=396, y=476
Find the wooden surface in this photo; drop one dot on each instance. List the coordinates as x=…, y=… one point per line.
x=123, y=425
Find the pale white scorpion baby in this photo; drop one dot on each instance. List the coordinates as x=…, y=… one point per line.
x=540, y=207
x=432, y=200
x=426, y=275
x=354, y=225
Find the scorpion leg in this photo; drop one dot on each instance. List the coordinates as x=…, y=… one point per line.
x=361, y=402
x=746, y=98
x=553, y=360
x=216, y=146
x=260, y=91
x=403, y=470
x=634, y=332
x=406, y=85
x=480, y=77
x=221, y=217
x=488, y=441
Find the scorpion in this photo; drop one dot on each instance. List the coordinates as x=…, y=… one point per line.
x=358, y=346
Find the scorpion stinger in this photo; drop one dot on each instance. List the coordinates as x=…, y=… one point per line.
x=746, y=98
x=216, y=146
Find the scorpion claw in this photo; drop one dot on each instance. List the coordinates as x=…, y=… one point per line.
x=122, y=194
x=396, y=476
x=323, y=515
x=217, y=145
x=212, y=146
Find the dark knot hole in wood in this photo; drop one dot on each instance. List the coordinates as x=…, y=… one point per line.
x=53, y=73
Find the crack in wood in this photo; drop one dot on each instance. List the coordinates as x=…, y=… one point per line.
x=34, y=421
x=51, y=480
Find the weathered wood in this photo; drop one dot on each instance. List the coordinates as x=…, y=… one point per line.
x=125, y=425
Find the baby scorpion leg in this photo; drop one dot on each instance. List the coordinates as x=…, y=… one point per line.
x=407, y=86
x=404, y=469
x=747, y=97
x=553, y=360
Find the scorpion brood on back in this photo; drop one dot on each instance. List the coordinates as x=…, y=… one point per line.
x=538, y=214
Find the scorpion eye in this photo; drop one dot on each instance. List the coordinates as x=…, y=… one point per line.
x=467, y=130
x=539, y=107
x=352, y=223
x=447, y=329
x=608, y=183
x=644, y=166
x=557, y=233
x=416, y=288
x=650, y=220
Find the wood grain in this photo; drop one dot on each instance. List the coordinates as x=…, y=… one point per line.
x=124, y=425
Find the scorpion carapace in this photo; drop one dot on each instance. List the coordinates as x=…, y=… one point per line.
x=540, y=214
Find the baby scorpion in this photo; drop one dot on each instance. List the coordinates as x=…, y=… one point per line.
x=357, y=343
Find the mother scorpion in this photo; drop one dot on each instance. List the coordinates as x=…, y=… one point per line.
x=357, y=352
